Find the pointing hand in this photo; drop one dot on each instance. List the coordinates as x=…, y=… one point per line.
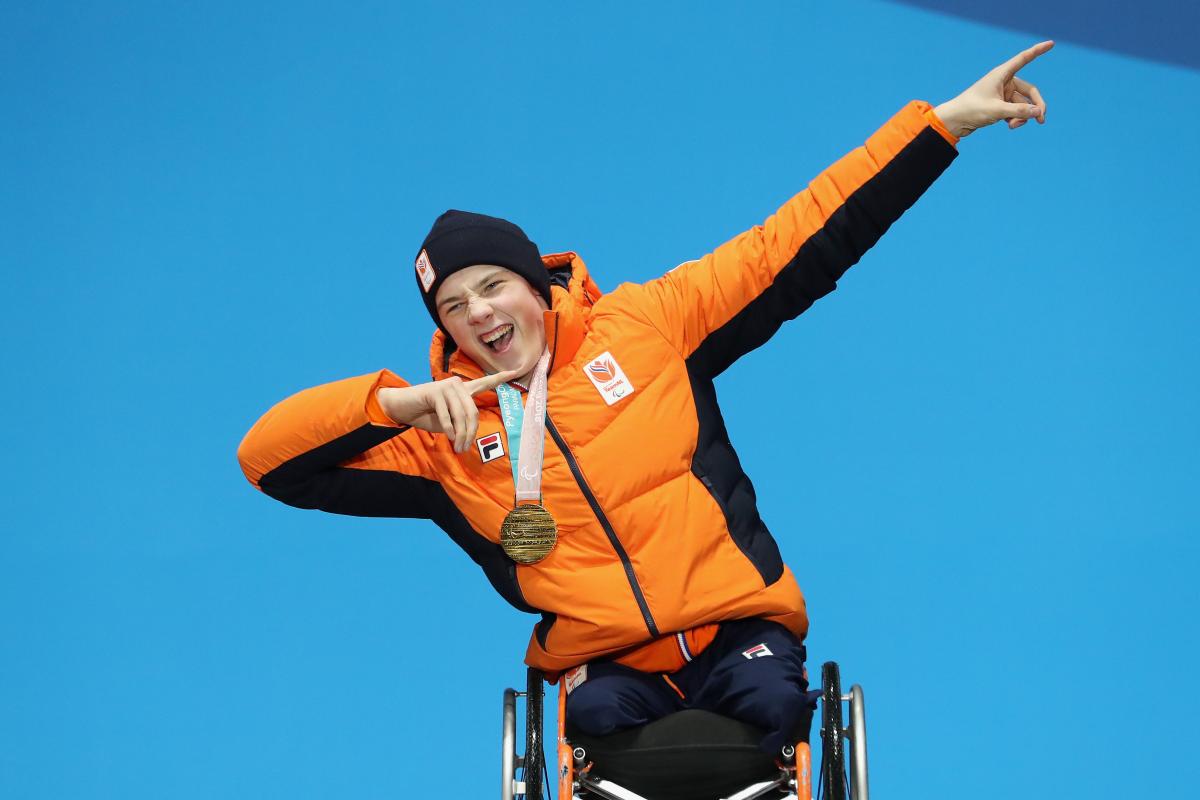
x=444, y=406
x=998, y=95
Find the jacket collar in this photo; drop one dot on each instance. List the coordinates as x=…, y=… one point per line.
x=566, y=324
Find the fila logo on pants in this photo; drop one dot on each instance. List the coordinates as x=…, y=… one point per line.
x=758, y=651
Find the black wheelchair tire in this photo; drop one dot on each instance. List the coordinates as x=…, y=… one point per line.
x=535, y=756
x=833, y=749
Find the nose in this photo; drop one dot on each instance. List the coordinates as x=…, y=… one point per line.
x=478, y=309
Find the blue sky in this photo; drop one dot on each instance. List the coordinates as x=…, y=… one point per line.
x=979, y=455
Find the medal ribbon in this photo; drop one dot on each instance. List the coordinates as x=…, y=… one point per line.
x=526, y=432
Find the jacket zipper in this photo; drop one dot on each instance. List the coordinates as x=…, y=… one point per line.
x=604, y=523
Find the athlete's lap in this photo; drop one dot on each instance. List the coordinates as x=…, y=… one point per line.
x=611, y=697
x=756, y=675
x=753, y=672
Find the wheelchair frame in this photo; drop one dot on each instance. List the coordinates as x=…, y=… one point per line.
x=794, y=781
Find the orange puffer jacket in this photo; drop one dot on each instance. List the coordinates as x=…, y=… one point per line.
x=659, y=536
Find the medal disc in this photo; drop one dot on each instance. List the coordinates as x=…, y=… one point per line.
x=528, y=534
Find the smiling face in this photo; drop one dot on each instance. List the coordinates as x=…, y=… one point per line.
x=494, y=316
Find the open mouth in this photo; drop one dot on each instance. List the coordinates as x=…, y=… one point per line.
x=499, y=339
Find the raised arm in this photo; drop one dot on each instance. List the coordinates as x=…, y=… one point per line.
x=732, y=300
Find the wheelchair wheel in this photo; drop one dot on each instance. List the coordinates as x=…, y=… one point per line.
x=533, y=762
x=535, y=756
x=833, y=752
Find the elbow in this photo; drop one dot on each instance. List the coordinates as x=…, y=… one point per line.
x=306, y=494
x=248, y=459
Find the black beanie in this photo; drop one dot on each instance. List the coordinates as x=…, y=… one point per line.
x=460, y=239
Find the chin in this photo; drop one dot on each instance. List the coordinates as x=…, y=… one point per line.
x=493, y=363
x=496, y=362
x=485, y=360
x=529, y=362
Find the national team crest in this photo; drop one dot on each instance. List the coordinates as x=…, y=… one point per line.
x=425, y=271
x=603, y=369
x=609, y=379
x=490, y=447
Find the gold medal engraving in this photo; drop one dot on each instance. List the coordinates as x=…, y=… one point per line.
x=528, y=534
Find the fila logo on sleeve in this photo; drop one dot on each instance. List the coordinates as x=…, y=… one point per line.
x=609, y=379
x=758, y=651
x=490, y=447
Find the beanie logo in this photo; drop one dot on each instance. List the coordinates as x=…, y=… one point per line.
x=425, y=271
x=609, y=379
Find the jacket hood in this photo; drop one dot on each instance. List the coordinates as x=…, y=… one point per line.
x=573, y=293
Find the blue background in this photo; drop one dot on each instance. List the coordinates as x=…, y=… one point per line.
x=979, y=455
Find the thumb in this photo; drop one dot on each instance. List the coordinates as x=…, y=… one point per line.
x=1018, y=111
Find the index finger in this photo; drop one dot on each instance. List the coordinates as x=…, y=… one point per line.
x=489, y=382
x=1013, y=65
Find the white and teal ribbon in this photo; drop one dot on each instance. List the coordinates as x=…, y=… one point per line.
x=526, y=431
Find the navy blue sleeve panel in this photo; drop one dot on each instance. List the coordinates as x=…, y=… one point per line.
x=828, y=253
x=718, y=468
x=316, y=480
x=501, y=571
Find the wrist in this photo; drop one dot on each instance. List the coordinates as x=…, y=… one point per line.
x=391, y=402
x=947, y=112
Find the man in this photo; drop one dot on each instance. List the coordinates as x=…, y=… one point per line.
x=631, y=527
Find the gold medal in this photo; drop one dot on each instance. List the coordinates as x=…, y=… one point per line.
x=528, y=533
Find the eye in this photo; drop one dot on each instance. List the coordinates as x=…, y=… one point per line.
x=491, y=285
x=452, y=308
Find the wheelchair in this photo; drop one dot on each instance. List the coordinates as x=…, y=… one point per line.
x=688, y=755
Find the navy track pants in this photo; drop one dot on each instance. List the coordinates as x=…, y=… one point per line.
x=753, y=672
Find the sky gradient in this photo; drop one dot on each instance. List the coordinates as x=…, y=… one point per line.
x=978, y=455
